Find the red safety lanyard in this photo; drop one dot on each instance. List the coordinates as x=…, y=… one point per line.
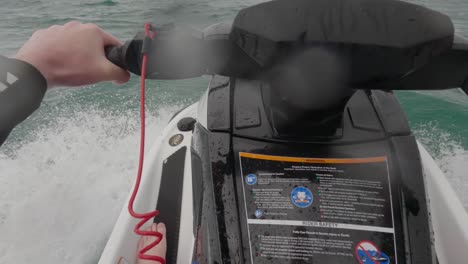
x=149, y=34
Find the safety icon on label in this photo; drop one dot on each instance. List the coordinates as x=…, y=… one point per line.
x=258, y=213
x=368, y=253
x=301, y=197
x=251, y=179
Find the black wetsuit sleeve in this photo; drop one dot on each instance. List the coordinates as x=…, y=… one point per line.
x=22, y=88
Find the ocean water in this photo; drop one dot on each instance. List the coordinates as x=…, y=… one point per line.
x=66, y=171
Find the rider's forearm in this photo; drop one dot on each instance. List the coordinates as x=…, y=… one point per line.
x=22, y=88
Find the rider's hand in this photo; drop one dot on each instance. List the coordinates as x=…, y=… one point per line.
x=72, y=55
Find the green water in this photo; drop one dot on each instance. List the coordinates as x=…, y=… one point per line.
x=66, y=171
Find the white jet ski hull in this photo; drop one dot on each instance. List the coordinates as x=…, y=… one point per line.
x=449, y=218
x=122, y=245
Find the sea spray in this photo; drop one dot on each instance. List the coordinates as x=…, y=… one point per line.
x=449, y=154
x=61, y=192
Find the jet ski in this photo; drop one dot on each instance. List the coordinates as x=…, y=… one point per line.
x=299, y=152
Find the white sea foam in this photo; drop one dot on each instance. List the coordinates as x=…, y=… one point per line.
x=62, y=190
x=449, y=154
x=454, y=162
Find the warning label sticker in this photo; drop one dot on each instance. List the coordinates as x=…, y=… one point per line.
x=320, y=210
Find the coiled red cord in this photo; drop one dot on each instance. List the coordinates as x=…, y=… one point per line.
x=150, y=215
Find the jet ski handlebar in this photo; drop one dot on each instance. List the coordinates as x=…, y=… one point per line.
x=179, y=52
x=416, y=50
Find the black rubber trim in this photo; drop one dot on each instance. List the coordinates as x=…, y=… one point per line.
x=170, y=200
x=197, y=189
x=464, y=87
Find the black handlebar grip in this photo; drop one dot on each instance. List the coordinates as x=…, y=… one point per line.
x=116, y=55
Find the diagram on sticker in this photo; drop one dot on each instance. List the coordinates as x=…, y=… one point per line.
x=251, y=179
x=368, y=253
x=301, y=197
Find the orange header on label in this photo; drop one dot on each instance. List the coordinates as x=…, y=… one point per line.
x=312, y=160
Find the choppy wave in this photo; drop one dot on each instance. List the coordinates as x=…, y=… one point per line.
x=62, y=189
x=104, y=3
